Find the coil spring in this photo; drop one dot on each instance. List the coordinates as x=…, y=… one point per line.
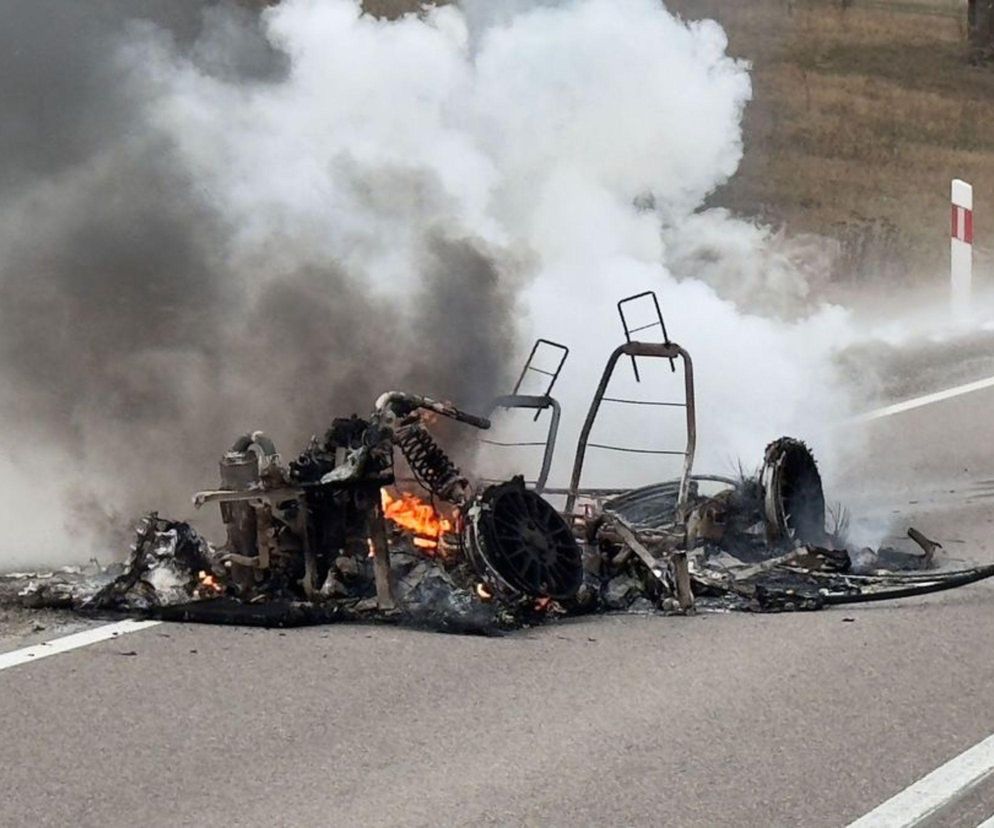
x=429, y=462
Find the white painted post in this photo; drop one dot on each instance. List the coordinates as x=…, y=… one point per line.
x=961, y=253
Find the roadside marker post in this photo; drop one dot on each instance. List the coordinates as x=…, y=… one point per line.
x=961, y=249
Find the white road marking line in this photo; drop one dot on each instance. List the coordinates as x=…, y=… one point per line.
x=72, y=642
x=987, y=823
x=942, y=786
x=928, y=399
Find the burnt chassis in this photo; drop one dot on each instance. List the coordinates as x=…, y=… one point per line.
x=760, y=543
x=287, y=518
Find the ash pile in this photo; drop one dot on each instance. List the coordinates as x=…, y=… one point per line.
x=345, y=532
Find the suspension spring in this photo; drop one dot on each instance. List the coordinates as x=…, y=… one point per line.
x=428, y=461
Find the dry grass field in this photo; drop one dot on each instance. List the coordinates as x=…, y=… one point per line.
x=863, y=111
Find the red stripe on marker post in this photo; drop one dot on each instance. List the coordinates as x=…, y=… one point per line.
x=962, y=224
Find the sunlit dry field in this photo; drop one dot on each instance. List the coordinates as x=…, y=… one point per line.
x=862, y=113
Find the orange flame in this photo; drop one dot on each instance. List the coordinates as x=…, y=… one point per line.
x=416, y=516
x=208, y=583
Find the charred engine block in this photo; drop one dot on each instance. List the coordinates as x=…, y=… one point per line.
x=298, y=528
x=287, y=525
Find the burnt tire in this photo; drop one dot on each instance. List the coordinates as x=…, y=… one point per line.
x=518, y=536
x=793, y=497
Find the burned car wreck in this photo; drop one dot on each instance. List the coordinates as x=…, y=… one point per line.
x=374, y=521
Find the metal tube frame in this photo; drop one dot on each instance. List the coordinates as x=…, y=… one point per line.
x=552, y=375
x=660, y=323
x=538, y=404
x=666, y=350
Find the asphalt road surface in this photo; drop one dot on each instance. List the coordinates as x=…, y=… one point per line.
x=803, y=719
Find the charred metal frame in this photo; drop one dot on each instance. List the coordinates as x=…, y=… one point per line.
x=663, y=350
x=553, y=375
x=538, y=403
x=659, y=323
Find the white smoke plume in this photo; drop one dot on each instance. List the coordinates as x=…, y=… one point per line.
x=363, y=203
